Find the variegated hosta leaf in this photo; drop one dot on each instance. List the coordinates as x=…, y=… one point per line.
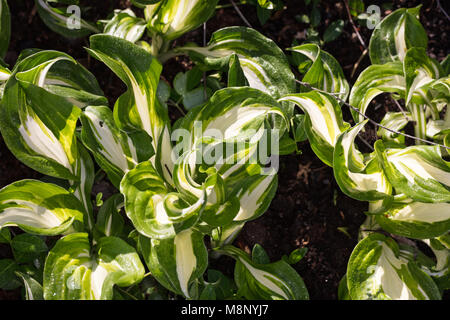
x=439, y=90
x=272, y=281
x=264, y=65
x=323, y=122
x=4, y=74
x=109, y=221
x=358, y=178
x=420, y=70
x=67, y=23
x=373, y=81
x=417, y=171
x=115, y=151
x=439, y=129
x=219, y=208
x=395, y=121
x=5, y=28
x=440, y=272
x=416, y=219
x=429, y=262
x=33, y=289
x=236, y=76
x=397, y=33
x=73, y=272
x=376, y=271
x=238, y=197
x=228, y=141
x=172, y=18
x=325, y=72
x=138, y=108
x=212, y=188
x=412, y=79
x=178, y=262
x=235, y=115
x=231, y=127
x=445, y=63
x=38, y=126
x=75, y=83
x=125, y=25
x=235, y=112
x=255, y=195
x=40, y=208
x=343, y=289
x=225, y=235
x=154, y=210
x=143, y=3
x=82, y=188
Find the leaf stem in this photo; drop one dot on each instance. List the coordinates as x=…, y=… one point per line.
x=224, y=6
x=205, y=94
x=175, y=104
x=126, y=293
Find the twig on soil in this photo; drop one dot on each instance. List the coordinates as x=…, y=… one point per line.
x=442, y=9
x=361, y=57
x=369, y=119
x=240, y=14
x=366, y=51
x=319, y=168
x=303, y=172
x=365, y=142
x=353, y=25
x=32, y=14
x=401, y=109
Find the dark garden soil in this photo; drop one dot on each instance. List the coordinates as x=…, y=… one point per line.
x=308, y=210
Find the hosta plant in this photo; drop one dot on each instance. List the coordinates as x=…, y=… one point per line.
x=407, y=186
x=178, y=188
x=185, y=189
x=164, y=21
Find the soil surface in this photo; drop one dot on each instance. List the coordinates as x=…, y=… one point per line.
x=309, y=210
